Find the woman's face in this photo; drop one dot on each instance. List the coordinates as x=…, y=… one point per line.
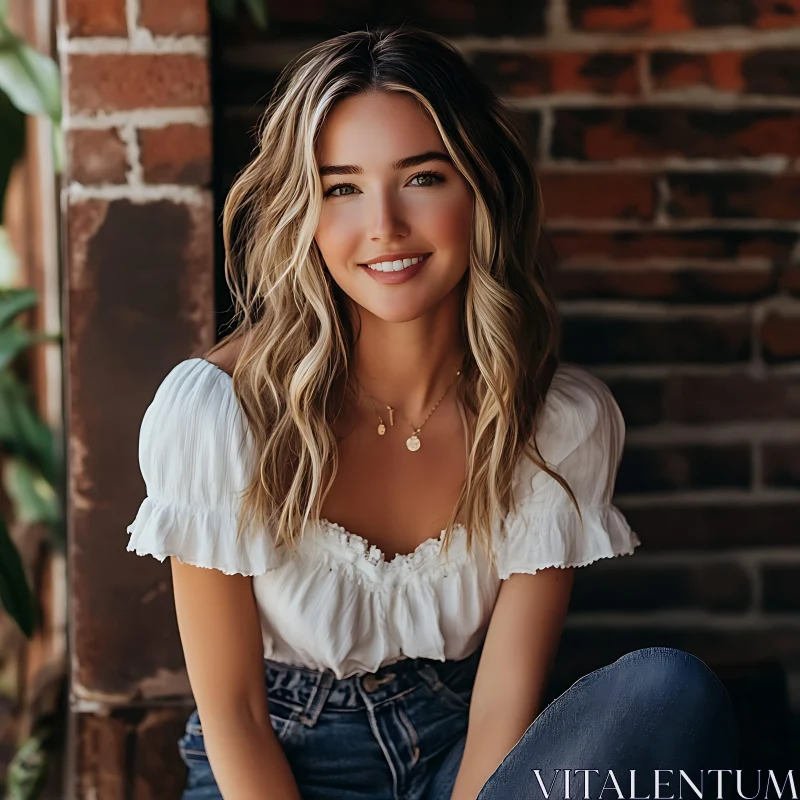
x=376, y=207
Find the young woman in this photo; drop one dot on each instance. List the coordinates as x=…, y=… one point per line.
x=374, y=492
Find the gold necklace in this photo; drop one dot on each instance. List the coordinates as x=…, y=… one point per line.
x=413, y=442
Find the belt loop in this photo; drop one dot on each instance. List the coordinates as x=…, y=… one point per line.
x=430, y=676
x=316, y=700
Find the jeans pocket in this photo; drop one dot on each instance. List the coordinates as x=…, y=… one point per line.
x=192, y=748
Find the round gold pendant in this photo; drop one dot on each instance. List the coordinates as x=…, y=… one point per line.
x=381, y=429
x=413, y=443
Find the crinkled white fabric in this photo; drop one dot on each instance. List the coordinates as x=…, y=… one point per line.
x=338, y=603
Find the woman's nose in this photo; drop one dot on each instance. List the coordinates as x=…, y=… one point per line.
x=386, y=217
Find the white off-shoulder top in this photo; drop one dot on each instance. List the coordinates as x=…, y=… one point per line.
x=339, y=602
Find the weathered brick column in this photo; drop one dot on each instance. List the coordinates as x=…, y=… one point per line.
x=138, y=256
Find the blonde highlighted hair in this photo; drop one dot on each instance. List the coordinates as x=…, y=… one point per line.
x=291, y=374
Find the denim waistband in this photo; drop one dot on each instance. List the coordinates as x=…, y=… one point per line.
x=306, y=691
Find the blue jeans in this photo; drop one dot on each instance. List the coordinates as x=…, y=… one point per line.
x=399, y=733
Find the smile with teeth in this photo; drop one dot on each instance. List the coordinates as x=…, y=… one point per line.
x=394, y=266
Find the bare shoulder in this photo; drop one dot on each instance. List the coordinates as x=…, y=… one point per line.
x=226, y=355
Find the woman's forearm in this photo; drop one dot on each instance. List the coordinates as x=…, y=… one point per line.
x=489, y=739
x=248, y=761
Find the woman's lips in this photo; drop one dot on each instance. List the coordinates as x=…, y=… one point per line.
x=400, y=276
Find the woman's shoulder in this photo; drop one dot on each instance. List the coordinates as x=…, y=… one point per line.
x=578, y=406
x=193, y=416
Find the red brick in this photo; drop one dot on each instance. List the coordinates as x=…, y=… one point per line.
x=290, y=19
x=121, y=82
x=681, y=468
x=676, y=286
x=174, y=17
x=781, y=465
x=780, y=338
x=594, y=195
x=790, y=280
x=657, y=132
x=521, y=74
x=96, y=156
x=701, y=587
x=707, y=399
x=718, y=526
x=626, y=15
x=723, y=71
x=95, y=17
x=176, y=154
x=608, y=340
x=747, y=13
x=730, y=195
x=780, y=587
x=772, y=72
x=629, y=15
x=636, y=245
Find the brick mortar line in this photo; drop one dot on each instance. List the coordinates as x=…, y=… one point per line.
x=748, y=558
x=680, y=166
x=546, y=123
x=685, y=621
x=132, y=12
x=708, y=497
x=648, y=264
x=696, y=41
x=745, y=432
x=140, y=117
x=143, y=45
x=613, y=225
x=650, y=371
x=557, y=18
x=692, y=41
x=134, y=172
x=640, y=312
x=146, y=193
x=690, y=99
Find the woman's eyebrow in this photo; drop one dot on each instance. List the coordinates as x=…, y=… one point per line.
x=403, y=163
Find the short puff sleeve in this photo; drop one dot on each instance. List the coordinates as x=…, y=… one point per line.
x=195, y=455
x=580, y=434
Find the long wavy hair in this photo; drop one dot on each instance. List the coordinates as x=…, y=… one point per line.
x=291, y=374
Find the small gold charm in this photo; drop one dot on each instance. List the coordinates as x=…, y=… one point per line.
x=413, y=443
x=391, y=415
x=381, y=429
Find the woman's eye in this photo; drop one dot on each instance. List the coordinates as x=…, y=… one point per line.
x=434, y=176
x=330, y=192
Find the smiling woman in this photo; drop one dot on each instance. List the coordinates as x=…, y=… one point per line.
x=390, y=210
x=375, y=491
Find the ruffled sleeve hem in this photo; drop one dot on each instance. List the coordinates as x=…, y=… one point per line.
x=202, y=537
x=562, y=540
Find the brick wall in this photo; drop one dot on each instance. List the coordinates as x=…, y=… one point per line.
x=138, y=221
x=667, y=138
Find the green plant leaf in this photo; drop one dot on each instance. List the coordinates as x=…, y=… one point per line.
x=22, y=432
x=31, y=79
x=13, y=341
x=27, y=770
x=35, y=500
x=258, y=11
x=14, y=301
x=15, y=595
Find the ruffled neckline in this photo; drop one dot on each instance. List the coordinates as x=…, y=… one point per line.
x=361, y=547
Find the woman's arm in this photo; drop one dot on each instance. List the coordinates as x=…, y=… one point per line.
x=222, y=646
x=518, y=656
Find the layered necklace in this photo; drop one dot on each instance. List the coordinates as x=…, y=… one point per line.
x=413, y=443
